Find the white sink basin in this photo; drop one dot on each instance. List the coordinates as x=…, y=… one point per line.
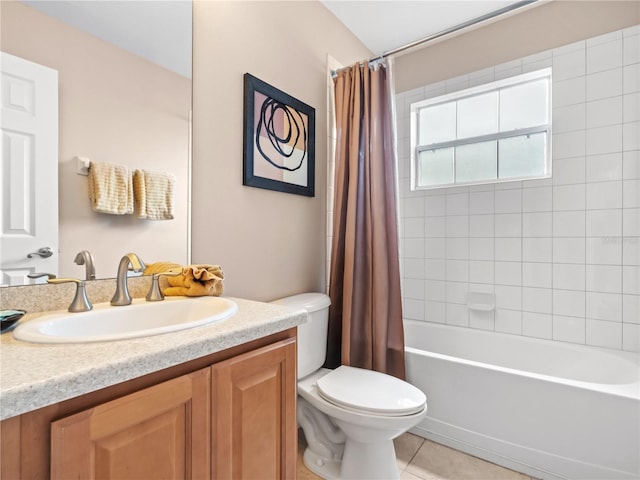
x=140, y=319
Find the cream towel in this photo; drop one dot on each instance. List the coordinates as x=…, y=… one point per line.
x=153, y=193
x=110, y=188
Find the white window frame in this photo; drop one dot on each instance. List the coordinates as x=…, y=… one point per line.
x=472, y=92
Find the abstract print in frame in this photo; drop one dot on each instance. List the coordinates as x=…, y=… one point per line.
x=279, y=140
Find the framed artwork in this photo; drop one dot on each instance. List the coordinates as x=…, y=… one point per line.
x=279, y=140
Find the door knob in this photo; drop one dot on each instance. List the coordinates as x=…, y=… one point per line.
x=44, y=252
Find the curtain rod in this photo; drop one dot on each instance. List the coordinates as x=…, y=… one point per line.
x=455, y=28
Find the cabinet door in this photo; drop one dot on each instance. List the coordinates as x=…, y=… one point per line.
x=159, y=432
x=254, y=414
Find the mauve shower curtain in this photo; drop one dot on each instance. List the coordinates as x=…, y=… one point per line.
x=365, y=318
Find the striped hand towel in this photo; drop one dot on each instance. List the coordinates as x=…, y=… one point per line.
x=153, y=192
x=110, y=188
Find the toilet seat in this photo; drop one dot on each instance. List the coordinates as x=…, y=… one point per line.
x=370, y=392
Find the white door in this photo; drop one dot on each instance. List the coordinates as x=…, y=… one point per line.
x=29, y=174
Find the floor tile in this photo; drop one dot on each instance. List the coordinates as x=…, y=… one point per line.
x=434, y=461
x=406, y=445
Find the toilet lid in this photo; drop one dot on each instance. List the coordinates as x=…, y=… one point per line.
x=369, y=391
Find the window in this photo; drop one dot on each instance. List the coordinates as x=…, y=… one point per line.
x=496, y=132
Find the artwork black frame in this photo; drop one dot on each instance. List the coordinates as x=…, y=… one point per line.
x=295, y=110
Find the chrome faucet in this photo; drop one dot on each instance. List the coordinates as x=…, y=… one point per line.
x=122, y=297
x=85, y=258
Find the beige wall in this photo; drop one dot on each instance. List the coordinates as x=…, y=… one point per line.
x=270, y=244
x=113, y=107
x=535, y=30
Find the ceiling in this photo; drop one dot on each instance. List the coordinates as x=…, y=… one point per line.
x=383, y=25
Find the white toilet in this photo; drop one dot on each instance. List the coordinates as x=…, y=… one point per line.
x=349, y=416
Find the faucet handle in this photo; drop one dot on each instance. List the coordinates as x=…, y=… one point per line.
x=80, y=302
x=155, y=294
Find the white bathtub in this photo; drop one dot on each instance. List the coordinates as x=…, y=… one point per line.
x=549, y=409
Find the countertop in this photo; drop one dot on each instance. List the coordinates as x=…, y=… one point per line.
x=36, y=375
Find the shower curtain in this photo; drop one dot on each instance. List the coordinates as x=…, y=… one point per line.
x=365, y=317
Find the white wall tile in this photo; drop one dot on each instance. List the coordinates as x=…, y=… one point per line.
x=631, y=165
x=457, y=292
x=412, y=268
x=435, y=248
x=603, y=168
x=538, y=199
x=631, y=78
x=413, y=309
x=604, y=195
x=508, y=273
x=434, y=290
x=604, y=140
x=413, y=288
x=571, y=47
x=539, y=325
x=631, y=280
x=569, y=118
x=569, y=329
x=604, y=306
x=458, y=226
x=604, y=112
x=568, y=276
x=604, y=250
x=458, y=270
x=604, y=56
x=537, y=274
x=414, y=207
x=631, y=107
x=435, y=269
x=481, y=248
x=458, y=204
x=508, y=321
x=631, y=136
x=569, y=303
x=481, y=225
x=435, y=205
x=414, y=227
x=432, y=227
x=603, y=223
x=631, y=251
x=604, y=278
x=457, y=315
x=601, y=333
x=631, y=337
x=604, y=84
x=569, y=224
x=481, y=202
x=481, y=271
x=508, y=249
x=537, y=250
x=509, y=297
x=604, y=38
x=482, y=320
x=435, y=311
x=571, y=65
x=567, y=171
x=458, y=248
x=569, y=250
x=631, y=222
x=539, y=300
x=414, y=247
x=539, y=224
x=568, y=144
x=508, y=201
x=571, y=92
x=631, y=308
x=630, y=49
x=508, y=225
x=568, y=197
x=631, y=193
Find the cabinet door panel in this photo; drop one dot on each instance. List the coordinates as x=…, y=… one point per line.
x=254, y=422
x=158, y=432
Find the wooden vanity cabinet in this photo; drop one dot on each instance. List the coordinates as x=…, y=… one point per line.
x=228, y=416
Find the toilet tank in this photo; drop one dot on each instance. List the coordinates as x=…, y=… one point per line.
x=312, y=336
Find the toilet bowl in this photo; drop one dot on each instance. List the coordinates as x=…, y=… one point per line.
x=349, y=415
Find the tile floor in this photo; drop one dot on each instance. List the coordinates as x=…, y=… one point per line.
x=420, y=459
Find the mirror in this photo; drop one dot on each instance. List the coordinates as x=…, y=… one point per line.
x=124, y=97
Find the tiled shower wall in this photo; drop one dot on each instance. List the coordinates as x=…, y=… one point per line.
x=561, y=255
